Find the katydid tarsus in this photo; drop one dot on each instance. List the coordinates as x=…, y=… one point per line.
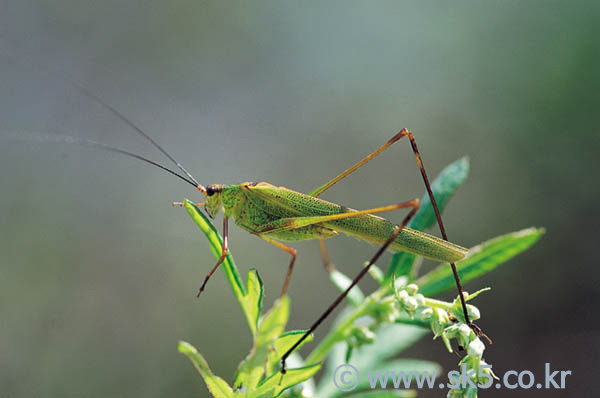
x=278, y=214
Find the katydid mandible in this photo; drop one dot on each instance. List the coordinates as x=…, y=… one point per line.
x=278, y=214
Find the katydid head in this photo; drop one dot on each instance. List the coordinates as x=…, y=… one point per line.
x=212, y=193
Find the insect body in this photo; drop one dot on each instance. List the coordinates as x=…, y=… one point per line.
x=287, y=215
x=278, y=214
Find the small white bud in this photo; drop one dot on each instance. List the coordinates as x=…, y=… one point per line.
x=473, y=312
x=464, y=330
x=426, y=313
x=475, y=348
x=442, y=315
x=412, y=289
x=410, y=304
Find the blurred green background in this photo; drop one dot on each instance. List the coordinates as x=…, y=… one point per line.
x=99, y=273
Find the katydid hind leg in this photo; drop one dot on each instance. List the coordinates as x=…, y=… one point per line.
x=415, y=206
x=294, y=223
x=406, y=133
x=355, y=167
x=224, y=252
x=419, y=159
x=324, y=255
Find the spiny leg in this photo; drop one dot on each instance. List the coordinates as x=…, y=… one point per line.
x=406, y=133
x=292, y=252
x=415, y=206
x=224, y=251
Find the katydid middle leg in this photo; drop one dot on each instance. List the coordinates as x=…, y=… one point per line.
x=325, y=257
x=292, y=252
x=292, y=223
x=415, y=206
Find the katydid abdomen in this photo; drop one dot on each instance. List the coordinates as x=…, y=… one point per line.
x=253, y=206
x=376, y=230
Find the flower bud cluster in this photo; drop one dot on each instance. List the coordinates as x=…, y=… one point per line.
x=443, y=318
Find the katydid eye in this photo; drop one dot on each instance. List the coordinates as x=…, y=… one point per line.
x=210, y=191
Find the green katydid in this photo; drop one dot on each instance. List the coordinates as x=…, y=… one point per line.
x=278, y=214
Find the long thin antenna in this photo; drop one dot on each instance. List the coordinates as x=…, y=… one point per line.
x=137, y=129
x=119, y=115
x=99, y=145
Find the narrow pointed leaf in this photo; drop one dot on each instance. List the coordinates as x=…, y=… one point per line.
x=271, y=326
x=217, y=386
x=443, y=187
x=252, y=301
x=480, y=260
x=228, y=266
x=282, y=344
x=274, y=385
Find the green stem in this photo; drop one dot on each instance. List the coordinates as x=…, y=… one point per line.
x=444, y=305
x=340, y=331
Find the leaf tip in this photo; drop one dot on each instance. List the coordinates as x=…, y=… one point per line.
x=185, y=348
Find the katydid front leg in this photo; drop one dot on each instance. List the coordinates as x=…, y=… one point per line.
x=224, y=251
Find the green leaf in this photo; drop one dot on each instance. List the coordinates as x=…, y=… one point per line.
x=216, y=247
x=270, y=327
x=342, y=282
x=443, y=187
x=252, y=301
x=480, y=260
x=217, y=386
x=306, y=388
x=274, y=385
x=282, y=344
